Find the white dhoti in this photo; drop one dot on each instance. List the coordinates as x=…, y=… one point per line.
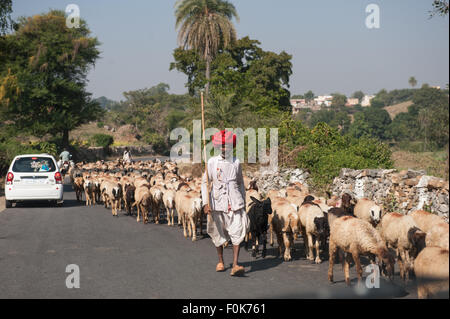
x=224, y=226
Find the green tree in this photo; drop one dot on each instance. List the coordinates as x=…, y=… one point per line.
x=205, y=26
x=326, y=152
x=309, y=96
x=243, y=69
x=412, y=81
x=222, y=111
x=358, y=95
x=338, y=120
x=322, y=116
x=427, y=120
x=44, y=75
x=371, y=123
x=338, y=101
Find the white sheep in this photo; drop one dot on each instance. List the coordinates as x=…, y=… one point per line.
x=431, y=269
x=425, y=220
x=401, y=233
x=435, y=227
x=284, y=224
x=314, y=228
x=368, y=210
x=357, y=237
x=438, y=236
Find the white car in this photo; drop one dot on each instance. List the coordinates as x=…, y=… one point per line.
x=33, y=177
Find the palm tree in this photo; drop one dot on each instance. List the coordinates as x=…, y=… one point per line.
x=412, y=81
x=205, y=26
x=223, y=112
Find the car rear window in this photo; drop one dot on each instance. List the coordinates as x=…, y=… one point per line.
x=34, y=164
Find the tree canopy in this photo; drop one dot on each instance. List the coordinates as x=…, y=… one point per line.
x=43, y=75
x=242, y=69
x=371, y=122
x=427, y=120
x=205, y=26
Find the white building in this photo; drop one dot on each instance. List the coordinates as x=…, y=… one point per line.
x=323, y=100
x=366, y=100
x=352, y=102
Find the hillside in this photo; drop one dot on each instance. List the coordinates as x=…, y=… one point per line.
x=434, y=163
x=395, y=109
x=124, y=135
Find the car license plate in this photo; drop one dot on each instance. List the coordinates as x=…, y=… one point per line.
x=35, y=181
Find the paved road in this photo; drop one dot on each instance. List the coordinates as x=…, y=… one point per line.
x=119, y=258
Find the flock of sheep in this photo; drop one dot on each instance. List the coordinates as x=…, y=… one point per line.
x=418, y=242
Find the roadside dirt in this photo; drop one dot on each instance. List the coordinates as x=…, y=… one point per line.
x=2, y=194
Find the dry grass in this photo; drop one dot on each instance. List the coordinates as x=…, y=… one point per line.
x=121, y=137
x=87, y=130
x=394, y=110
x=434, y=163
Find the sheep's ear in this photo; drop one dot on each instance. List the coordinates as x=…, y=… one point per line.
x=255, y=200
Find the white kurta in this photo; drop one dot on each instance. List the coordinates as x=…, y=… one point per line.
x=227, y=199
x=127, y=157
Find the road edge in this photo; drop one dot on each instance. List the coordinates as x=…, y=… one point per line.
x=2, y=203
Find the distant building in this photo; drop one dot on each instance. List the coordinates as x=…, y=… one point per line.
x=366, y=100
x=323, y=100
x=352, y=102
x=298, y=104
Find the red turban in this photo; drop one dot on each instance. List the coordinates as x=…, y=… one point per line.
x=224, y=137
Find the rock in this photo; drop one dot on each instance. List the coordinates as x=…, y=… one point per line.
x=412, y=182
x=412, y=174
x=396, y=178
x=443, y=209
x=411, y=189
x=435, y=183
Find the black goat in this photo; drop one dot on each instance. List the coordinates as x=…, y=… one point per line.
x=129, y=195
x=258, y=216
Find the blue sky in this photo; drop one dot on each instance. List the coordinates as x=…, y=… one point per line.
x=333, y=50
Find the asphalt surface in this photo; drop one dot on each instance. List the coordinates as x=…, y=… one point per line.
x=120, y=258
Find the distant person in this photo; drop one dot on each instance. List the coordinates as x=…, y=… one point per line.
x=44, y=167
x=65, y=156
x=127, y=155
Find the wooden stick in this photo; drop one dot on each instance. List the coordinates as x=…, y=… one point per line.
x=204, y=151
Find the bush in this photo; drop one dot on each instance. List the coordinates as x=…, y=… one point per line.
x=327, y=152
x=9, y=149
x=46, y=147
x=157, y=141
x=100, y=124
x=102, y=140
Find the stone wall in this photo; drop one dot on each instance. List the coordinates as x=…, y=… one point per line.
x=403, y=191
x=268, y=180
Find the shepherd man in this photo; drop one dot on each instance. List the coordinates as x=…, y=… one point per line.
x=227, y=218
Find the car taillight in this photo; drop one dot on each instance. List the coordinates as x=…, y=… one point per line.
x=58, y=178
x=9, y=178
